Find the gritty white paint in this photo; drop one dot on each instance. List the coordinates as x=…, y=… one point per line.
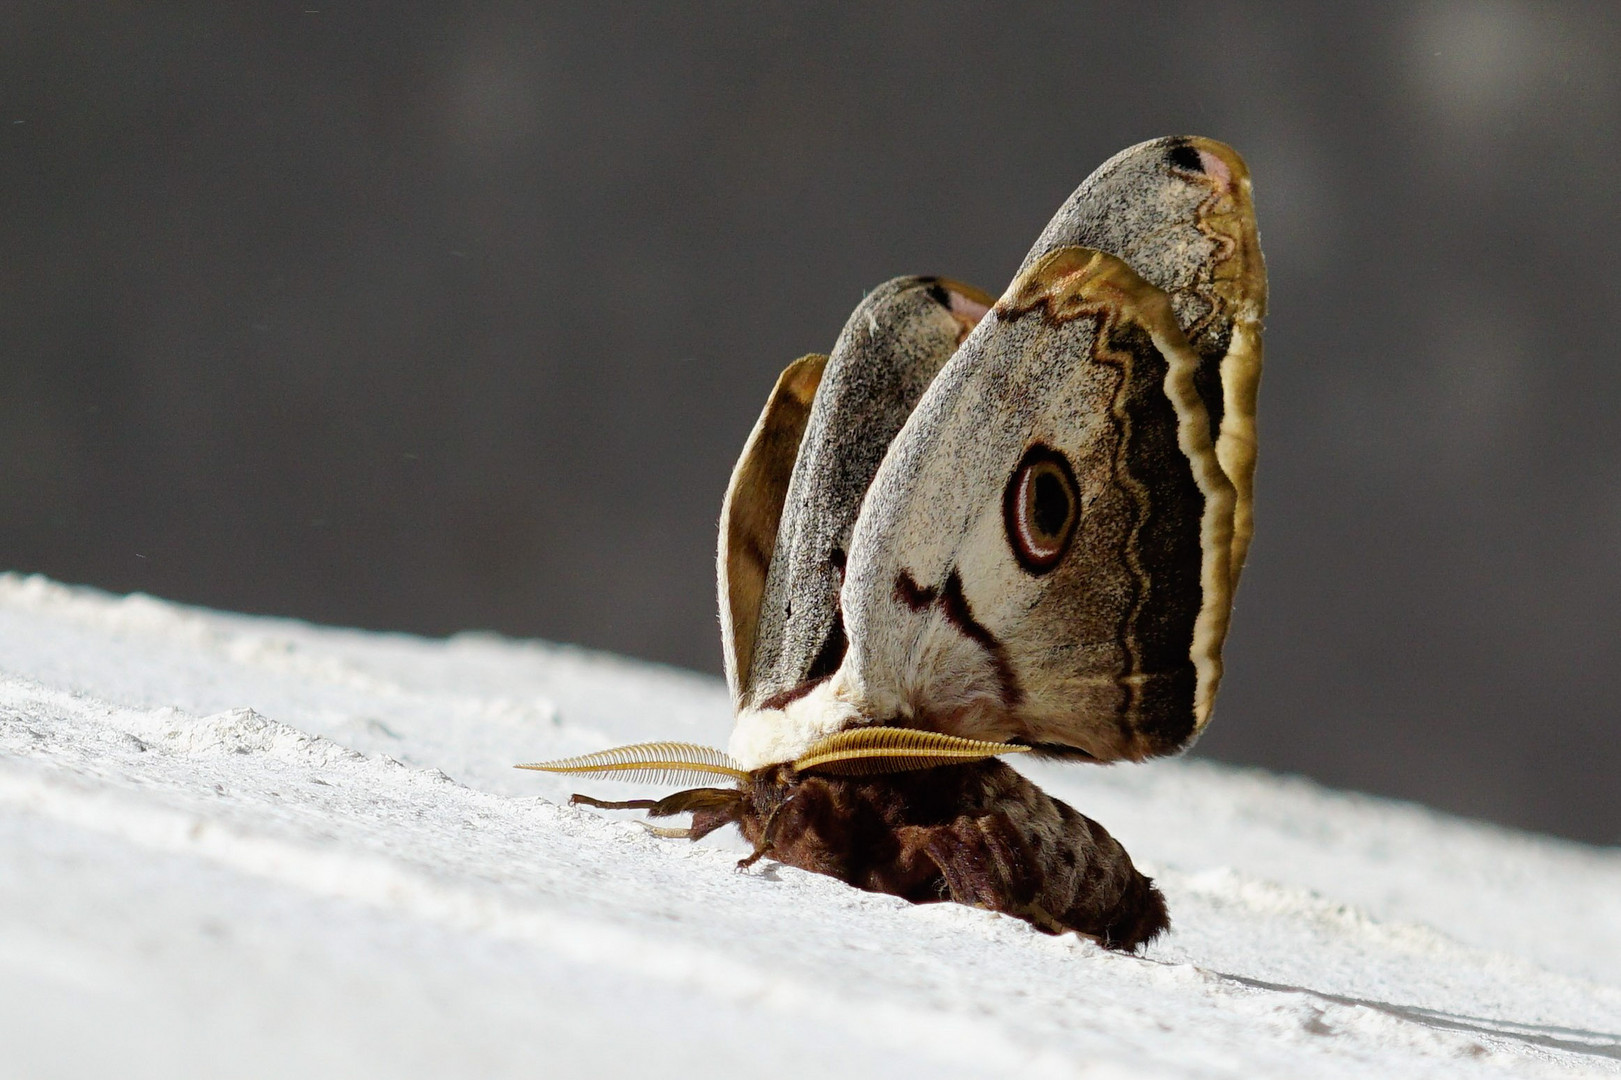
x=248, y=847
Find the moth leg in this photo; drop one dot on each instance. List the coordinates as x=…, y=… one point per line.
x=628, y=804
x=987, y=864
x=667, y=833
x=964, y=863
x=705, y=822
x=679, y=803
x=768, y=835
x=711, y=808
x=1041, y=919
x=695, y=799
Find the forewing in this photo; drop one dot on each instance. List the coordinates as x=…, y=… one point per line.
x=1113, y=648
x=750, y=513
x=1179, y=211
x=886, y=356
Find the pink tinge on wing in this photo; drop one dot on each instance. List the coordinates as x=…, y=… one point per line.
x=967, y=308
x=1216, y=168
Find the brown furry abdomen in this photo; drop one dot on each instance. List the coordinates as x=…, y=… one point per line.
x=978, y=834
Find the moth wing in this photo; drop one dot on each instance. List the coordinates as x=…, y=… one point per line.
x=1142, y=365
x=889, y=351
x=1108, y=640
x=750, y=513
x=1180, y=212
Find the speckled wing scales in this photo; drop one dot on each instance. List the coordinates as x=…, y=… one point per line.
x=1180, y=212
x=1110, y=647
x=1136, y=327
x=1048, y=550
x=889, y=351
x=752, y=508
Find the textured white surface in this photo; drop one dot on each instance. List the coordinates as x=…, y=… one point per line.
x=248, y=847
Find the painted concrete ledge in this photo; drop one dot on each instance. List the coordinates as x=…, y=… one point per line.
x=233, y=846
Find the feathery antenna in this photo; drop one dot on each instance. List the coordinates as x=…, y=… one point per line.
x=654, y=762
x=874, y=750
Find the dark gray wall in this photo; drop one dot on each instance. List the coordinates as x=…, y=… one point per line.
x=444, y=315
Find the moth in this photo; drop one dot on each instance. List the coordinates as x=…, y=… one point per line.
x=984, y=527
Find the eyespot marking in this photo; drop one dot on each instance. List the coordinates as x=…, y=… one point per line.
x=1041, y=508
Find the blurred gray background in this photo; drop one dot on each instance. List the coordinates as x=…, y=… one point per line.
x=454, y=315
